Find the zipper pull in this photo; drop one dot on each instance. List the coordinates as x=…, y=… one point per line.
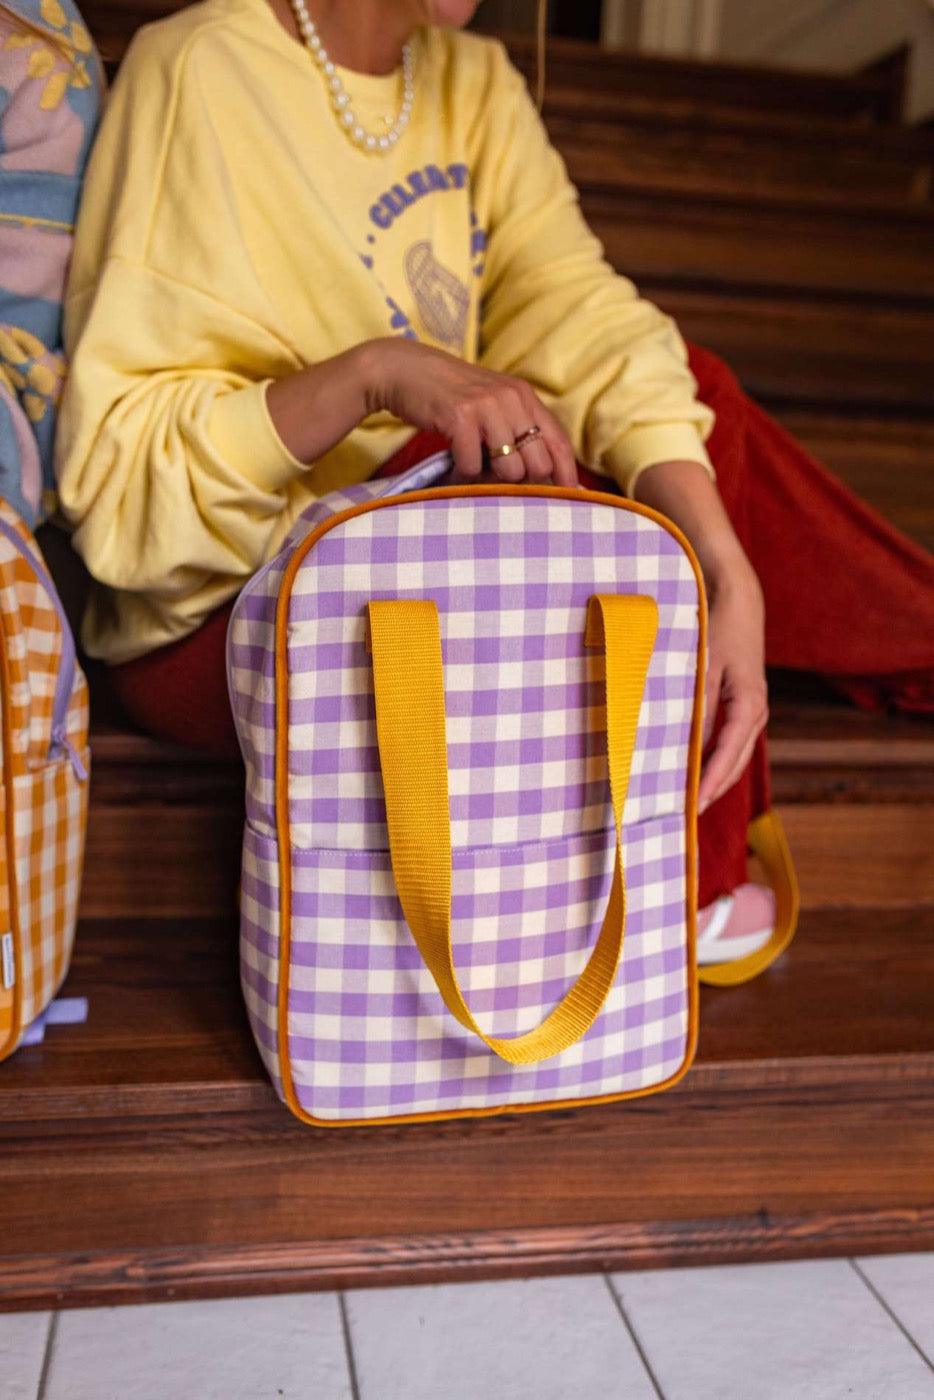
x=8, y=961
x=61, y=741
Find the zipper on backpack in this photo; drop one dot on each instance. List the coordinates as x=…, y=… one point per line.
x=8, y=961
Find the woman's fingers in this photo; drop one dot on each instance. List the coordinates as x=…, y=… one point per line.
x=481, y=426
x=497, y=418
x=527, y=416
x=480, y=411
x=746, y=717
x=565, y=472
x=711, y=699
x=549, y=456
x=538, y=461
x=466, y=446
x=722, y=761
x=553, y=458
x=479, y=431
x=498, y=432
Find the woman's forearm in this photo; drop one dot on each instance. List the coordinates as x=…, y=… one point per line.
x=314, y=408
x=684, y=492
x=735, y=681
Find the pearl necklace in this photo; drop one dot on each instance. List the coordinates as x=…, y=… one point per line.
x=340, y=98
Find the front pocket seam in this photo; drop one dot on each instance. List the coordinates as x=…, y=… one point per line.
x=607, y=832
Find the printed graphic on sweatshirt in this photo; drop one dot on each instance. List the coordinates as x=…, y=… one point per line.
x=442, y=299
x=441, y=295
x=418, y=184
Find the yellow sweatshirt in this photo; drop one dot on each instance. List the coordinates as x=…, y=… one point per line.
x=229, y=233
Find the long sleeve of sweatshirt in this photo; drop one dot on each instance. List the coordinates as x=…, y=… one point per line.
x=610, y=364
x=170, y=468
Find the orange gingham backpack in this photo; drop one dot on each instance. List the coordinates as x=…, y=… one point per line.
x=43, y=793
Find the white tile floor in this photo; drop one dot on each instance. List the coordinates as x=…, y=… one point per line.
x=861, y=1329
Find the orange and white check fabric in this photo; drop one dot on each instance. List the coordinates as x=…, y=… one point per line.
x=43, y=803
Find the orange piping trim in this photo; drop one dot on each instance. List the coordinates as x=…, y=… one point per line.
x=282, y=805
x=9, y=836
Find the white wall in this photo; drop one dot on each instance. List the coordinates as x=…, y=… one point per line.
x=834, y=35
x=663, y=26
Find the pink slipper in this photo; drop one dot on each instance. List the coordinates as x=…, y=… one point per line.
x=735, y=925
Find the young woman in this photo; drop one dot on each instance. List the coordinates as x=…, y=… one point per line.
x=309, y=227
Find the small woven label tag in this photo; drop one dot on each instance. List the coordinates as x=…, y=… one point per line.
x=9, y=961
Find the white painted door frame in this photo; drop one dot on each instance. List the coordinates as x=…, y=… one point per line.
x=689, y=27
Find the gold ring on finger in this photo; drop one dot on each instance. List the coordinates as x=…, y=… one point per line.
x=528, y=436
x=507, y=449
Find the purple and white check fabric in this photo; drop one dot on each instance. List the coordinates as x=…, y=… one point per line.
x=368, y=1034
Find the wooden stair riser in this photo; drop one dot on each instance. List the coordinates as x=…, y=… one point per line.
x=845, y=354
x=700, y=244
x=163, y=862
x=856, y=794
x=686, y=1177
x=706, y=157
x=865, y=856
x=611, y=109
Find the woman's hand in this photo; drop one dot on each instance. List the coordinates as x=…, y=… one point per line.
x=736, y=648
x=476, y=408
x=735, y=676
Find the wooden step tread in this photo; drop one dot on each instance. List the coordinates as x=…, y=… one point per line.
x=167, y=1032
x=851, y=356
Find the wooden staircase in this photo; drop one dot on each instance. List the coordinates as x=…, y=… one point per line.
x=786, y=220
x=144, y=1155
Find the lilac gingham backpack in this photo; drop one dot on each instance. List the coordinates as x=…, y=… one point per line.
x=471, y=722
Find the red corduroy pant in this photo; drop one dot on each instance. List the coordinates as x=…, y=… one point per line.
x=846, y=596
